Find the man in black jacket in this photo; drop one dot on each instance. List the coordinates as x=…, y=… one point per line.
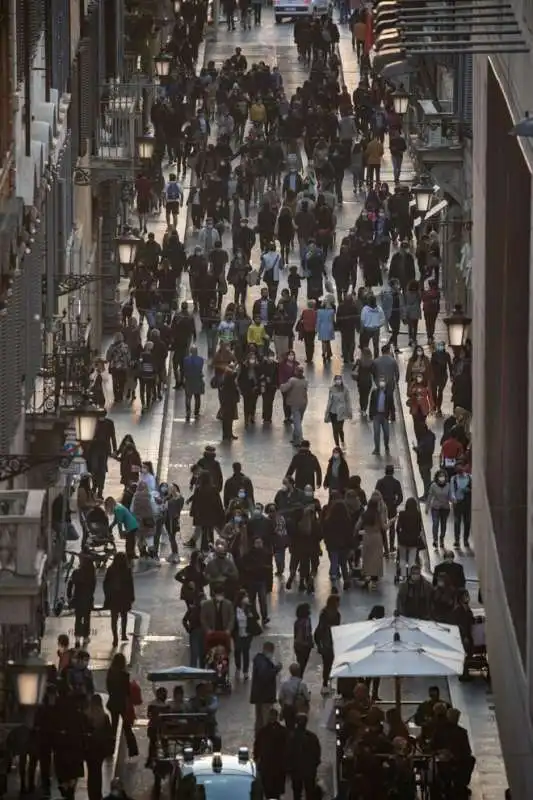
x=263, y=691
x=183, y=331
x=236, y=483
x=454, y=572
x=303, y=759
x=103, y=444
x=209, y=463
x=424, y=449
x=391, y=491
x=306, y=468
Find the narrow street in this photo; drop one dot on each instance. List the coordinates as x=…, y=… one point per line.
x=265, y=455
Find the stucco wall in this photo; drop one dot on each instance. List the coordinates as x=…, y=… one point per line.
x=512, y=686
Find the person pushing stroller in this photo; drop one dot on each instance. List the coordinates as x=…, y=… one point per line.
x=217, y=617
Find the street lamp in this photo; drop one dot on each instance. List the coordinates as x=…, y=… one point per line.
x=31, y=677
x=400, y=98
x=127, y=247
x=457, y=325
x=423, y=192
x=85, y=419
x=162, y=64
x=145, y=147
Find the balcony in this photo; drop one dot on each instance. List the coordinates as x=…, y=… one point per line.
x=120, y=122
x=435, y=134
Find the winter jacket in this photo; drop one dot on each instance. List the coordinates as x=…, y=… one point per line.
x=409, y=529
x=339, y=403
x=306, y=469
x=295, y=391
x=264, y=674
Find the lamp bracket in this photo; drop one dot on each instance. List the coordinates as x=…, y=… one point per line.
x=11, y=466
x=66, y=284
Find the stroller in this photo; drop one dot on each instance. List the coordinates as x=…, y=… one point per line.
x=98, y=541
x=218, y=647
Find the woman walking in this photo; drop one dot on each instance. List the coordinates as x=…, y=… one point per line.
x=409, y=532
x=144, y=508
x=329, y=618
x=438, y=505
x=120, y=703
x=246, y=626
x=303, y=636
x=325, y=328
x=374, y=542
x=338, y=409
x=80, y=593
x=99, y=745
x=119, y=595
x=362, y=375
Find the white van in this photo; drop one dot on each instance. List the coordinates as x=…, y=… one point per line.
x=298, y=8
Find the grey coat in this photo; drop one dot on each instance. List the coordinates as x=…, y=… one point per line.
x=412, y=309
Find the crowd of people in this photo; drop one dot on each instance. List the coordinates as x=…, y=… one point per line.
x=238, y=133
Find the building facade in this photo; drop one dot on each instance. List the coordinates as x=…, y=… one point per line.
x=503, y=390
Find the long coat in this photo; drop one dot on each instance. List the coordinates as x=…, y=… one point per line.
x=118, y=589
x=372, y=552
x=193, y=367
x=325, y=324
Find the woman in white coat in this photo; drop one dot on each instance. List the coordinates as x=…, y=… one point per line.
x=338, y=409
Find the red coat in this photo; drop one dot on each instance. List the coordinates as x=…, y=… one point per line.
x=420, y=401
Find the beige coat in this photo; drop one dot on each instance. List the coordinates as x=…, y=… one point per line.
x=374, y=153
x=372, y=552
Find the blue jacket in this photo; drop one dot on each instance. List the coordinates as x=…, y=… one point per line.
x=193, y=374
x=325, y=324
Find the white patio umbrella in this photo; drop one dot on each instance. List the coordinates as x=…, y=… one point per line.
x=397, y=659
x=353, y=636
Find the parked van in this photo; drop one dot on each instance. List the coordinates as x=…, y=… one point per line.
x=289, y=9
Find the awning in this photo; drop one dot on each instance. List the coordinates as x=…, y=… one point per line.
x=398, y=69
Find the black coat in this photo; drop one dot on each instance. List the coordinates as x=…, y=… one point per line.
x=270, y=753
x=306, y=470
x=389, y=403
x=341, y=482
x=390, y=489
x=409, y=529
x=303, y=754
x=119, y=593
x=210, y=464
x=264, y=674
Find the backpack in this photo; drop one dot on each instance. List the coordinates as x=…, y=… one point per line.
x=173, y=191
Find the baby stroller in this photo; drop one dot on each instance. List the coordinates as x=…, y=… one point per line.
x=217, y=659
x=98, y=541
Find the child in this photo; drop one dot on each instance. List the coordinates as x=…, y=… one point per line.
x=294, y=282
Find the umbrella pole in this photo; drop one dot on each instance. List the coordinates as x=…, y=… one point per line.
x=398, y=693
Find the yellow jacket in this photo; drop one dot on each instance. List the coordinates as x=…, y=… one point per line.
x=257, y=112
x=256, y=335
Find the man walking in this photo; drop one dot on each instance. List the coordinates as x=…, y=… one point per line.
x=295, y=391
x=380, y=409
x=193, y=381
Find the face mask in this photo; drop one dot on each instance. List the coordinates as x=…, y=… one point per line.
x=419, y=353
x=242, y=494
x=252, y=362
x=336, y=456
x=337, y=383
x=441, y=482
x=440, y=347
x=309, y=493
x=382, y=385
x=257, y=512
x=290, y=358
x=237, y=520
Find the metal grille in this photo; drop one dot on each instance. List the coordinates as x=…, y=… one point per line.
x=109, y=200
x=88, y=74
x=30, y=16
x=65, y=204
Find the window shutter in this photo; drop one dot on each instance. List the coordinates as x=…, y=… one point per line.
x=74, y=109
x=85, y=76
x=30, y=16
x=468, y=87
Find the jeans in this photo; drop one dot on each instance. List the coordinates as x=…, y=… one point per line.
x=147, y=391
x=123, y=623
x=258, y=591
x=196, y=648
x=302, y=653
x=462, y=512
x=197, y=401
x=327, y=663
x=381, y=423
x=297, y=419
x=242, y=653
x=438, y=390
x=338, y=565
x=430, y=319
x=439, y=518
x=396, y=166
x=118, y=376
x=425, y=474
x=373, y=173
x=309, y=342
x=412, y=328
x=370, y=335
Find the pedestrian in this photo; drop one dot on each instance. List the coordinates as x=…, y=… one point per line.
x=144, y=508
x=192, y=579
x=246, y=627
x=380, y=409
x=303, y=759
x=390, y=489
x=120, y=702
x=303, y=636
x=193, y=382
x=263, y=692
x=100, y=744
x=461, y=496
x=294, y=697
x=431, y=308
x=305, y=467
x=118, y=358
x=337, y=473
x=325, y=329
x=329, y=618
x=125, y=521
x=80, y=594
x=174, y=506
x=441, y=369
x=192, y=622
x=270, y=754
x=372, y=320
x=337, y=531
x=372, y=527
x=229, y=399
x=206, y=511
x=412, y=310
x=103, y=444
x=119, y=595
x=410, y=534
x=424, y=449
x=415, y=596
x=386, y=366
x=438, y=505
x=306, y=329
x=295, y=391
x=362, y=375
x=338, y=409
